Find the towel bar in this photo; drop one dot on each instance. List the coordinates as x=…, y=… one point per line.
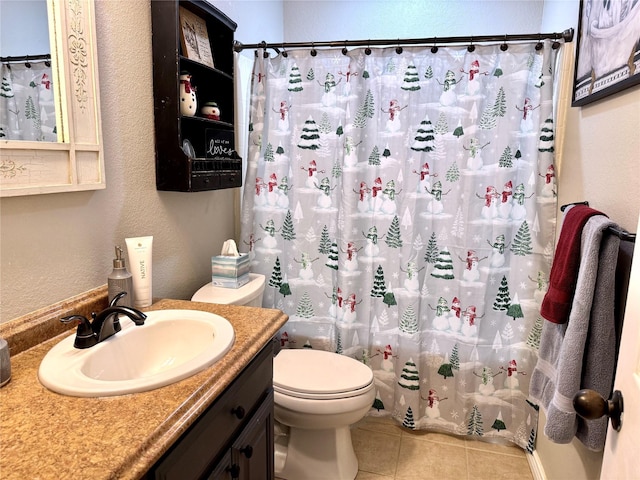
x=622, y=234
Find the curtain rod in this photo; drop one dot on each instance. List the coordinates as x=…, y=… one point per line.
x=567, y=36
x=25, y=58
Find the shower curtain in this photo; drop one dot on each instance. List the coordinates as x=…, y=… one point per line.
x=27, y=108
x=401, y=204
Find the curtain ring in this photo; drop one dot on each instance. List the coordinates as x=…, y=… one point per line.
x=434, y=49
x=284, y=53
x=504, y=46
x=313, y=52
x=539, y=44
x=555, y=45
x=399, y=48
x=344, y=49
x=471, y=48
x=367, y=51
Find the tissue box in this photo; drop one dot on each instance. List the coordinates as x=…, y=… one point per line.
x=230, y=272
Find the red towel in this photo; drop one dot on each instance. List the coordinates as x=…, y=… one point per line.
x=556, y=304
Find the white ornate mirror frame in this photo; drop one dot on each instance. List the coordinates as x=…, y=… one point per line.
x=76, y=161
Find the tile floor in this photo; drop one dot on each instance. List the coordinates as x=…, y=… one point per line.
x=387, y=451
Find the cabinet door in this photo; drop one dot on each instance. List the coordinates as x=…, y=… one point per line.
x=252, y=452
x=225, y=470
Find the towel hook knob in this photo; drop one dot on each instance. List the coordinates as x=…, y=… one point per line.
x=589, y=404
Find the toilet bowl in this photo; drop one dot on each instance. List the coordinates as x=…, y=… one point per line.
x=318, y=395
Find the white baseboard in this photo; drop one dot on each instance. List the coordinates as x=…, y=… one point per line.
x=536, y=466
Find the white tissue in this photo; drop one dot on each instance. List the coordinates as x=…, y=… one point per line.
x=230, y=249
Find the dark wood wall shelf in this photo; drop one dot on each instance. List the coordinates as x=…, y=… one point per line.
x=216, y=164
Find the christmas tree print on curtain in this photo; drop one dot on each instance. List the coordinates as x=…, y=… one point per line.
x=405, y=216
x=27, y=107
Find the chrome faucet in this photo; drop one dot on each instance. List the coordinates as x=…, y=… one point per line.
x=104, y=325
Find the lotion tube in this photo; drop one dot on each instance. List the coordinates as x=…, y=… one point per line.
x=139, y=250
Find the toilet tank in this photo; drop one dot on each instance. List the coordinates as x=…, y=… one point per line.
x=249, y=295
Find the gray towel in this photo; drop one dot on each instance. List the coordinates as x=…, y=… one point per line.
x=581, y=353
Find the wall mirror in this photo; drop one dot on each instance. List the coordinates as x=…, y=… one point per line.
x=73, y=161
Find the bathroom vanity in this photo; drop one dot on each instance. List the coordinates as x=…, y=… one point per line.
x=233, y=438
x=217, y=423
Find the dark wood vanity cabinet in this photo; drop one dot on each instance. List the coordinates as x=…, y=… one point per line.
x=233, y=438
x=193, y=153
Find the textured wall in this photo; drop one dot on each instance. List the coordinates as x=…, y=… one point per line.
x=55, y=246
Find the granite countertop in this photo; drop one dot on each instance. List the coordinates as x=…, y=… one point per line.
x=47, y=435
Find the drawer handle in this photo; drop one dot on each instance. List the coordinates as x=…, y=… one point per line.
x=248, y=451
x=239, y=412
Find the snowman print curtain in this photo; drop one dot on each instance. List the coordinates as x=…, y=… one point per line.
x=402, y=208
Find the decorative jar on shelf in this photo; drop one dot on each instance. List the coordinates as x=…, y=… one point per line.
x=188, y=100
x=211, y=111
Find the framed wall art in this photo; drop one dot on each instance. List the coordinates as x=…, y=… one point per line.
x=195, y=38
x=608, y=49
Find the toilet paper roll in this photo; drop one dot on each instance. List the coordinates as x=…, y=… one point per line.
x=5, y=363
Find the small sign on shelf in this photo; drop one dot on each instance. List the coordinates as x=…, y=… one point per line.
x=195, y=38
x=219, y=144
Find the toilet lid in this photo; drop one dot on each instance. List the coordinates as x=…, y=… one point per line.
x=316, y=373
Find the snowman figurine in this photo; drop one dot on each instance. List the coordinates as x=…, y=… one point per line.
x=188, y=101
x=211, y=111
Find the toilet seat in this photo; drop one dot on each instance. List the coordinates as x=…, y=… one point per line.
x=320, y=375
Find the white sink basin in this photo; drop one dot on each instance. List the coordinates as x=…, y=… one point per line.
x=170, y=346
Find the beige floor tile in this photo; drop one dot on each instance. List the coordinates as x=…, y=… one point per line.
x=380, y=424
x=421, y=459
x=507, y=449
x=377, y=452
x=485, y=465
x=435, y=437
x=372, y=476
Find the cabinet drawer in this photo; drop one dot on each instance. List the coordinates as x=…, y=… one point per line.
x=214, y=431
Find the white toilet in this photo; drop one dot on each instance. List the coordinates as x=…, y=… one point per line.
x=318, y=396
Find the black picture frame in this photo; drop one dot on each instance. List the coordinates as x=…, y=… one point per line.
x=600, y=67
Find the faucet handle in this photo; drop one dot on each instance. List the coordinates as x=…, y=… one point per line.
x=85, y=336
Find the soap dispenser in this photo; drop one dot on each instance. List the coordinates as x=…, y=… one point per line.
x=120, y=280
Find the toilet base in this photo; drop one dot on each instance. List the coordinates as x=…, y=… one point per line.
x=316, y=455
